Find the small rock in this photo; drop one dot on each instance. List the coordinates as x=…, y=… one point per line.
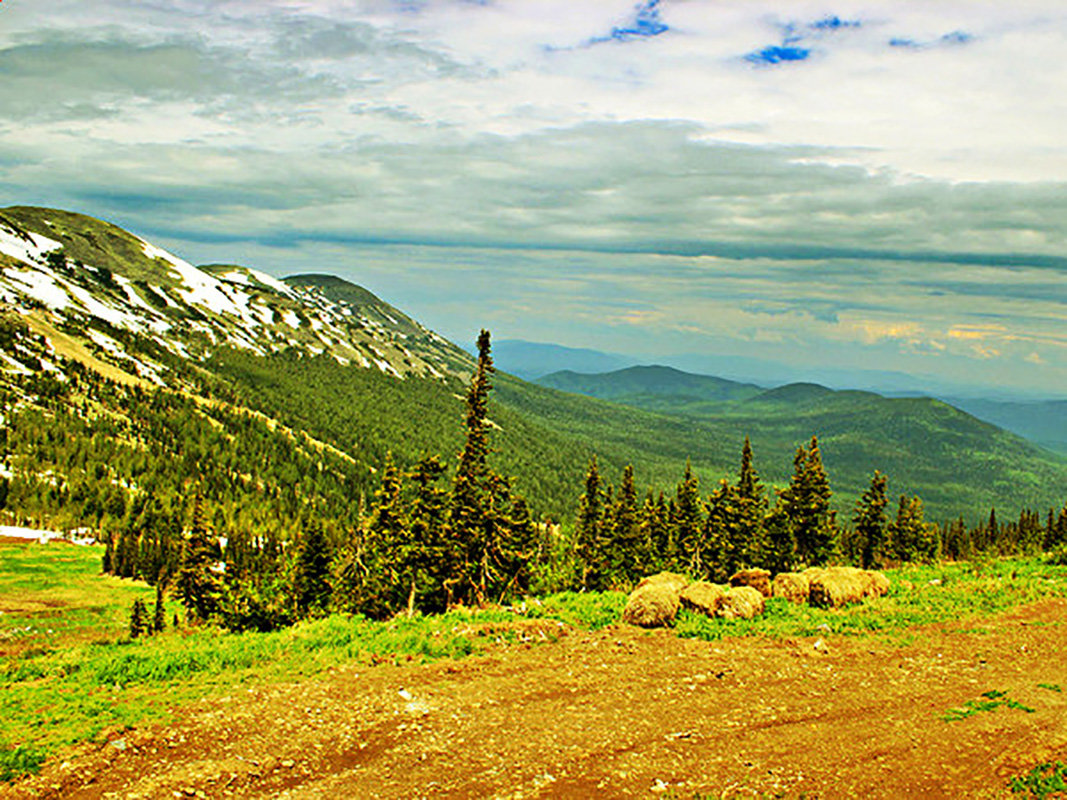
x=820, y=646
x=405, y=694
x=119, y=744
x=935, y=582
x=659, y=787
x=287, y=763
x=824, y=628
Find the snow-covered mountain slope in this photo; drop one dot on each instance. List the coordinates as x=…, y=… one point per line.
x=106, y=290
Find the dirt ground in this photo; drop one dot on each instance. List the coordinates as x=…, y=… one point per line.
x=623, y=713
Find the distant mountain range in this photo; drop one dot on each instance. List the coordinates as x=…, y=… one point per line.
x=287, y=395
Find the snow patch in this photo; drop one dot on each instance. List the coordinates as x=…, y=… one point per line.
x=291, y=319
x=39, y=286
x=30, y=248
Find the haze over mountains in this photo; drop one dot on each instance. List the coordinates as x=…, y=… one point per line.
x=1040, y=419
x=339, y=379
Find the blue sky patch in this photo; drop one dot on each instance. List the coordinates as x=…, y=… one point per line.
x=646, y=24
x=776, y=54
x=834, y=23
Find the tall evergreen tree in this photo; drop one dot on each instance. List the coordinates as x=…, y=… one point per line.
x=751, y=534
x=722, y=544
x=655, y=530
x=198, y=584
x=588, y=533
x=806, y=503
x=311, y=575
x=469, y=512
x=688, y=523
x=872, y=523
x=430, y=560
x=912, y=537
x=628, y=555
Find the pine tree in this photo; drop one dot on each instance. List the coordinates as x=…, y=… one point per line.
x=655, y=530
x=751, y=534
x=138, y=619
x=723, y=547
x=872, y=524
x=688, y=523
x=806, y=504
x=428, y=562
x=159, y=615
x=913, y=539
x=311, y=575
x=197, y=585
x=588, y=531
x=627, y=554
x=781, y=542
x=468, y=512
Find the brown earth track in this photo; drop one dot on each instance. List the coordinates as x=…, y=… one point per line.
x=622, y=713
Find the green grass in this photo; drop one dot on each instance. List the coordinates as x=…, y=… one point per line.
x=1042, y=781
x=69, y=672
x=994, y=699
x=961, y=595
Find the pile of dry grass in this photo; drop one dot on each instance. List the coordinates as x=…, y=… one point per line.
x=741, y=602
x=654, y=603
x=758, y=579
x=837, y=586
x=679, y=582
x=793, y=586
x=703, y=597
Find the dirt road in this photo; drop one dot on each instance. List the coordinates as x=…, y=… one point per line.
x=625, y=713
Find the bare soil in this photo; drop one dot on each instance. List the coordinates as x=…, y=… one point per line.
x=623, y=713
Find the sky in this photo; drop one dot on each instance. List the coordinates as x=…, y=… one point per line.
x=855, y=185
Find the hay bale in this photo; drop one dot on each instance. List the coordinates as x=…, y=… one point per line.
x=836, y=587
x=793, y=586
x=877, y=584
x=652, y=605
x=679, y=582
x=703, y=597
x=741, y=602
x=758, y=579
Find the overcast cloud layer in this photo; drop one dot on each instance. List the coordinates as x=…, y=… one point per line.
x=871, y=184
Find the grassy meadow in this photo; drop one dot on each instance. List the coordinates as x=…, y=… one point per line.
x=70, y=673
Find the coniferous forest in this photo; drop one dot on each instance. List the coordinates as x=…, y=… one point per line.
x=455, y=531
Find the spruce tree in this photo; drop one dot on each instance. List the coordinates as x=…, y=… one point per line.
x=588, y=533
x=627, y=554
x=722, y=543
x=468, y=512
x=872, y=524
x=429, y=560
x=138, y=619
x=655, y=530
x=197, y=585
x=751, y=534
x=311, y=575
x=806, y=503
x=688, y=523
x=159, y=615
x=913, y=538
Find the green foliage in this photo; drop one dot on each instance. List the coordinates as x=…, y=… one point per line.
x=139, y=624
x=1043, y=780
x=806, y=506
x=19, y=760
x=994, y=699
x=912, y=538
x=872, y=522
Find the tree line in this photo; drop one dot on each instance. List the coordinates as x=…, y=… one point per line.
x=432, y=537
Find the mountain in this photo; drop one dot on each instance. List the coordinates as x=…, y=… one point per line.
x=127, y=373
x=1040, y=421
x=654, y=387
x=531, y=360
x=926, y=446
